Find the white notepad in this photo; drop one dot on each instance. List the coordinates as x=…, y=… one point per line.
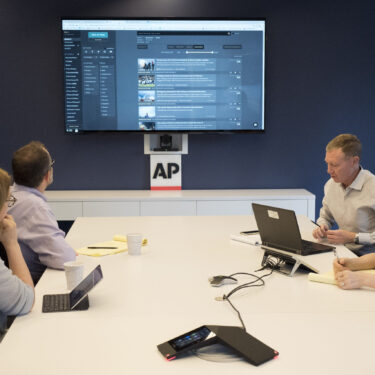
x=253, y=239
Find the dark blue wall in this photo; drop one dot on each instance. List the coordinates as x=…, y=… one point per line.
x=320, y=81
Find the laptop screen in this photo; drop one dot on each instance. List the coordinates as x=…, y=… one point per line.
x=81, y=290
x=277, y=227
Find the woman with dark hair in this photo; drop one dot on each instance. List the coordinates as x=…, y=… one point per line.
x=16, y=285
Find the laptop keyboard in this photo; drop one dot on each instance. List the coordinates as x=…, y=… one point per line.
x=307, y=245
x=56, y=302
x=315, y=247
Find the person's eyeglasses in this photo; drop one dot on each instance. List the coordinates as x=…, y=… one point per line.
x=11, y=201
x=52, y=163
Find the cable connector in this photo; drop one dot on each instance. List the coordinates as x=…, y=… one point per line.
x=221, y=298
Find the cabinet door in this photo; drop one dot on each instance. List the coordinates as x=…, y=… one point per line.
x=111, y=208
x=244, y=207
x=168, y=208
x=66, y=210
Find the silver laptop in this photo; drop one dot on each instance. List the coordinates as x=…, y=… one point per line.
x=278, y=229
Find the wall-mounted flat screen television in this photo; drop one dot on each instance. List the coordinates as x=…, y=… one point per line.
x=163, y=75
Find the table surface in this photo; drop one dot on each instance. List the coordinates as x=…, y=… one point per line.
x=148, y=299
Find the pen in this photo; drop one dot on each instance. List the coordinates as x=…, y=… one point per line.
x=314, y=222
x=101, y=247
x=334, y=249
x=336, y=255
x=248, y=232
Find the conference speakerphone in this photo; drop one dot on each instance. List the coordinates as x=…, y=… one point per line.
x=236, y=338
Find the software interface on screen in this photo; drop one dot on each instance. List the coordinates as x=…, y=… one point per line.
x=163, y=75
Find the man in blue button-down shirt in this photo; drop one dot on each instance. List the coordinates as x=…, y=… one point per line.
x=42, y=242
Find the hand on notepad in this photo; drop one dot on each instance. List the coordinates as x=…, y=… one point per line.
x=340, y=265
x=349, y=280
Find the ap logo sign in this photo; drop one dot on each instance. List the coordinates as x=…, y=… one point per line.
x=165, y=171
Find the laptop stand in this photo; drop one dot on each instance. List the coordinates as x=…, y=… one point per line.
x=290, y=263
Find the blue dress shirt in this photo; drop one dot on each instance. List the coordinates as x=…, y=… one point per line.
x=42, y=242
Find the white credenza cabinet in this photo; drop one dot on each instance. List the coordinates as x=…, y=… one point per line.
x=70, y=204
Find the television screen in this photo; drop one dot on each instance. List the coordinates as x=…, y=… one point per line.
x=163, y=75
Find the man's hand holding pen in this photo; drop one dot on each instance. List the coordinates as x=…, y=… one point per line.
x=320, y=232
x=337, y=236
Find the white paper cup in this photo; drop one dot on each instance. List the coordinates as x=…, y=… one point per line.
x=73, y=273
x=134, y=243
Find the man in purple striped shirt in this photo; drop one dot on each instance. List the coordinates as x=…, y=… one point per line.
x=42, y=242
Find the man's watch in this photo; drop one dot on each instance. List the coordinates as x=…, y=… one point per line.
x=356, y=239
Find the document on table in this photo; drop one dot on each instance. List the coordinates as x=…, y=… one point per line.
x=99, y=249
x=252, y=239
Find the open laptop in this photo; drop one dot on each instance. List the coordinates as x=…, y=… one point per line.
x=278, y=229
x=77, y=299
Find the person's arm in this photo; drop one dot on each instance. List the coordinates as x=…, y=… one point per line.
x=366, y=238
x=17, y=284
x=16, y=262
x=347, y=279
x=340, y=236
x=46, y=239
x=363, y=218
x=326, y=221
x=365, y=262
x=355, y=280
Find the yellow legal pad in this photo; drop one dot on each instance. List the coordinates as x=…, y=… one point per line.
x=119, y=244
x=329, y=278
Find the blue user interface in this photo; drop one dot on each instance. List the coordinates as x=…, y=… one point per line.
x=189, y=339
x=163, y=75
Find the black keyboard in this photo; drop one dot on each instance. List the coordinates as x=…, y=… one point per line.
x=316, y=246
x=307, y=245
x=56, y=302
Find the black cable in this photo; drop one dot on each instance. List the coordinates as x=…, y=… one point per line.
x=243, y=286
x=247, y=285
x=270, y=264
x=238, y=313
x=251, y=283
x=274, y=263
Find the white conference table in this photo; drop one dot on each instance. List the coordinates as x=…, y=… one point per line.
x=145, y=300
